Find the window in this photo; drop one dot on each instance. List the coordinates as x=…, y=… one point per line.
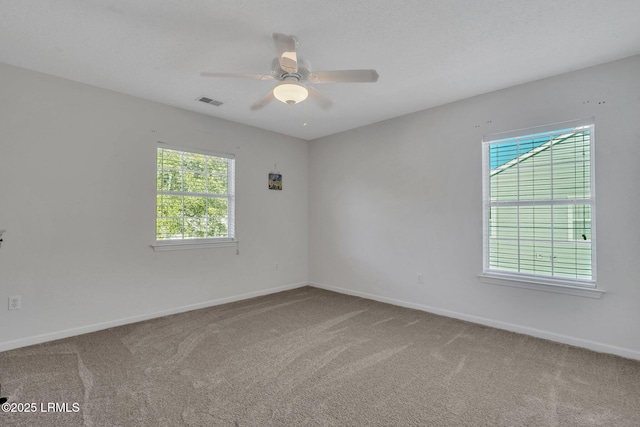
x=539, y=205
x=195, y=197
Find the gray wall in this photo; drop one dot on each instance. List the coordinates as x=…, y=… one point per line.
x=404, y=196
x=77, y=198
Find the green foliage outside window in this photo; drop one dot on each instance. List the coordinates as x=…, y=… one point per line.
x=194, y=200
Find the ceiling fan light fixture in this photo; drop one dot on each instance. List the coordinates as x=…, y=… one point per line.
x=292, y=73
x=290, y=93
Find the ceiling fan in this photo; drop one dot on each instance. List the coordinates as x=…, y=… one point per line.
x=293, y=72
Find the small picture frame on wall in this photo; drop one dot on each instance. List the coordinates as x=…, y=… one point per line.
x=275, y=181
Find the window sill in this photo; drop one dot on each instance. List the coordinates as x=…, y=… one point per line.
x=176, y=245
x=539, y=285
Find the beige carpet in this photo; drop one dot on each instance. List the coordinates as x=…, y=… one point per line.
x=310, y=357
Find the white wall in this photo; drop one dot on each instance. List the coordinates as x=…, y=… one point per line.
x=387, y=201
x=404, y=196
x=77, y=198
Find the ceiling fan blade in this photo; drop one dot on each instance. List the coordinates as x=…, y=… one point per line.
x=239, y=76
x=344, y=76
x=286, y=49
x=263, y=101
x=319, y=98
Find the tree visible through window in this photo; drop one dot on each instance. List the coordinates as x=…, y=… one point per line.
x=539, y=203
x=195, y=195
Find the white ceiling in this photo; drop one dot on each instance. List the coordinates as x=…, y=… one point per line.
x=427, y=52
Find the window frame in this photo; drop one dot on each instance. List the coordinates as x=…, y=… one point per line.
x=207, y=242
x=577, y=286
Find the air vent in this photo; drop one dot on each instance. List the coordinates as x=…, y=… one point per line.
x=210, y=101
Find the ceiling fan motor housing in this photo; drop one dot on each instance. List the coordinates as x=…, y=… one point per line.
x=279, y=74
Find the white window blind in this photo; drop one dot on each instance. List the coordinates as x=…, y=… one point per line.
x=539, y=204
x=195, y=195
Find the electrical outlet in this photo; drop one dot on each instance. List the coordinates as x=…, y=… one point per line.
x=420, y=278
x=14, y=302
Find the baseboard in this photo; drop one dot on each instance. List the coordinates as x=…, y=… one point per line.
x=39, y=339
x=564, y=339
